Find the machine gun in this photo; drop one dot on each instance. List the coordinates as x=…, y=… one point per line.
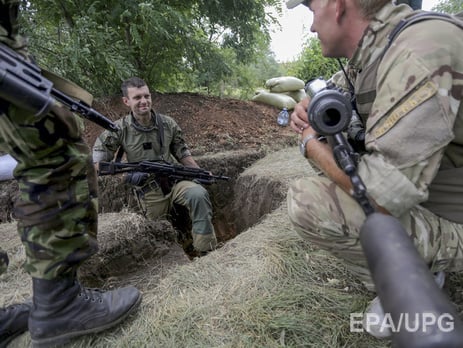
x=160, y=169
x=402, y=278
x=22, y=84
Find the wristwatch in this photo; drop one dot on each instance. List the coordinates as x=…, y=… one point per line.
x=303, y=144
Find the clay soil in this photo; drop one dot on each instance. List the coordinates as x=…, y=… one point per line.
x=210, y=124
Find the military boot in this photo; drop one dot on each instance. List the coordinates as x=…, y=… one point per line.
x=13, y=322
x=63, y=309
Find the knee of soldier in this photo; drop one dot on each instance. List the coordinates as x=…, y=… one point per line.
x=197, y=193
x=308, y=199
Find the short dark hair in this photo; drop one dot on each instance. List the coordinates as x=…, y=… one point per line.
x=131, y=82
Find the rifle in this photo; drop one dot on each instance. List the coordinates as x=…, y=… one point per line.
x=402, y=278
x=22, y=84
x=161, y=169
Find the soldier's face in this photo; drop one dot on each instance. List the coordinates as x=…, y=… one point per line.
x=138, y=100
x=325, y=25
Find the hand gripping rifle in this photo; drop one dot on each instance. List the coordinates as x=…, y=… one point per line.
x=22, y=84
x=161, y=169
x=402, y=278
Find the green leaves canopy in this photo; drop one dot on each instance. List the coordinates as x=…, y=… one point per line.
x=171, y=44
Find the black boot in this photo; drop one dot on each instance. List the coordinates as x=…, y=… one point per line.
x=63, y=309
x=13, y=322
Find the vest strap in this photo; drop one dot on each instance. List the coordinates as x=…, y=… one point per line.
x=446, y=195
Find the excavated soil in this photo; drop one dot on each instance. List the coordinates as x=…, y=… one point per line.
x=226, y=136
x=210, y=124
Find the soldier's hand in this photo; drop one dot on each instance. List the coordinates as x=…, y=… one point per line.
x=299, y=119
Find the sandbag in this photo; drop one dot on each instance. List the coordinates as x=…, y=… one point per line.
x=7, y=165
x=297, y=95
x=279, y=100
x=284, y=84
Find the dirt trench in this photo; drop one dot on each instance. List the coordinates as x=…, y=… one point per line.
x=128, y=243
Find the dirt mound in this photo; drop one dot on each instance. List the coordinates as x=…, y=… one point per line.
x=210, y=124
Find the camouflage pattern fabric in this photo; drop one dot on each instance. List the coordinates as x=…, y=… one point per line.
x=9, y=33
x=334, y=225
x=57, y=204
x=413, y=130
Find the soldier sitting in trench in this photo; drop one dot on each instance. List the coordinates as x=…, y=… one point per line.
x=145, y=134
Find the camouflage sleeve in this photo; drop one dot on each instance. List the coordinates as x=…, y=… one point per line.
x=412, y=120
x=339, y=80
x=106, y=144
x=9, y=28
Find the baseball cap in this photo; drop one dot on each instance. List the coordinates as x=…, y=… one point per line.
x=293, y=3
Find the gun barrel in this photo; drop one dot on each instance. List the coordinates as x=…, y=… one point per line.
x=84, y=110
x=22, y=84
x=406, y=287
x=172, y=171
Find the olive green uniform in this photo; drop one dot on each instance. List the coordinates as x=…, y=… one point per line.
x=57, y=205
x=410, y=101
x=140, y=144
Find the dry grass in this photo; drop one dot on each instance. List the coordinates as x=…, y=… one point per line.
x=264, y=288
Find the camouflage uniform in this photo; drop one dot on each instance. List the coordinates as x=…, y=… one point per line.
x=414, y=136
x=140, y=144
x=57, y=205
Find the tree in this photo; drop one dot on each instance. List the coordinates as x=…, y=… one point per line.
x=312, y=64
x=170, y=43
x=449, y=6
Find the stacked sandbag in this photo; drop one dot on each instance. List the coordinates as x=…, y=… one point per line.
x=282, y=92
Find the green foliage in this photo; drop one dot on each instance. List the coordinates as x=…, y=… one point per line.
x=172, y=44
x=449, y=6
x=312, y=64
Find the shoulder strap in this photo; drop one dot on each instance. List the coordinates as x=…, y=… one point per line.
x=160, y=125
x=418, y=17
x=68, y=87
x=366, y=97
x=119, y=154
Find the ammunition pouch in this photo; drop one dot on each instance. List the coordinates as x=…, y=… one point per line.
x=145, y=182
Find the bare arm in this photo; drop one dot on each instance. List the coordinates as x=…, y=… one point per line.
x=320, y=153
x=188, y=161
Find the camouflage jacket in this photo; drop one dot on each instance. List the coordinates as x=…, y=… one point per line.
x=414, y=124
x=9, y=29
x=140, y=143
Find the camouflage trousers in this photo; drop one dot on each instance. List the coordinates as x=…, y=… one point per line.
x=326, y=216
x=196, y=199
x=57, y=204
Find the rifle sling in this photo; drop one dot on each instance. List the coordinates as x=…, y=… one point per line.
x=68, y=87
